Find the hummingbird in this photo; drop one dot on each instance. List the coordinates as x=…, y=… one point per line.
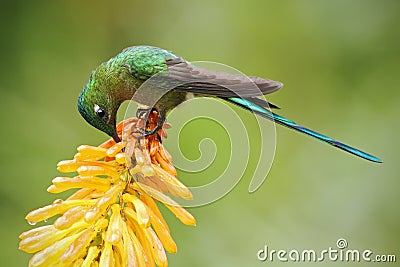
x=120, y=78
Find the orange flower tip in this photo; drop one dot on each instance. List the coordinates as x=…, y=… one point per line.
x=166, y=125
x=166, y=164
x=107, y=144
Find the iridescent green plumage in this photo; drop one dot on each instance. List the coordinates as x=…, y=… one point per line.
x=168, y=79
x=117, y=80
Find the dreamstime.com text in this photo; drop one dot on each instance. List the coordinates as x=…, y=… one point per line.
x=340, y=253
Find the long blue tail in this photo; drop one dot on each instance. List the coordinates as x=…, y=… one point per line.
x=248, y=105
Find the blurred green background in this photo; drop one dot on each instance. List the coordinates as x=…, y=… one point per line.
x=339, y=61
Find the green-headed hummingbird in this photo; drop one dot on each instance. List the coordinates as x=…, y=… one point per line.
x=120, y=78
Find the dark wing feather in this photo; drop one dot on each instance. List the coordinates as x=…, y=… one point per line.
x=205, y=82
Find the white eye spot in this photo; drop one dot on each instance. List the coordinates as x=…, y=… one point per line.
x=99, y=111
x=96, y=108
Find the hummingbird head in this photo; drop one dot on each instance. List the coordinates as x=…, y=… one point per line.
x=98, y=107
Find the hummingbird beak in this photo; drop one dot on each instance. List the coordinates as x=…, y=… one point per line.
x=112, y=123
x=115, y=136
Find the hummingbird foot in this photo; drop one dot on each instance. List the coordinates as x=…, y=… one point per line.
x=143, y=113
x=152, y=117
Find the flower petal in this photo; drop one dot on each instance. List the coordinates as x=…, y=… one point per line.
x=73, y=165
x=49, y=256
x=92, y=254
x=93, y=231
x=107, y=256
x=150, y=203
x=141, y=211
x=100, y=208
x=158, y=251
x=90, y=152
x=112, y=151
x=129, y=253
x=166, y=165
x=66, y=183
x=183, y=215
x=139, y=251
x=120, y=158
x=174, y=186
x=70, y=217
x=86, y=170
x=80, y=194
x=48, y=211
x=78, y=248
x=39, y=241
x=162, y=233
x=141, y=238
x=114, y=234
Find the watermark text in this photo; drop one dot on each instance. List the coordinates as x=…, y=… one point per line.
x=338, y=253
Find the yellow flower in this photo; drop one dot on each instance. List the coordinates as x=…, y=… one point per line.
x=112, y=219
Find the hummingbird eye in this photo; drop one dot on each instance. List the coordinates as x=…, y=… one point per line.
x=99, y=111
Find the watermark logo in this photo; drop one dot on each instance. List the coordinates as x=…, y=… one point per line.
x=158, y=88
x=340, y=253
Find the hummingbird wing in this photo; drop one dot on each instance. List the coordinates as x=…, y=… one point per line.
x=171, y=71
x=197, y=80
